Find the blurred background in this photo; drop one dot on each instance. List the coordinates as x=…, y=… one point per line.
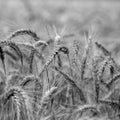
x=76, y=16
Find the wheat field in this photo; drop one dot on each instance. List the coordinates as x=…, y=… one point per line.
x=59, y=60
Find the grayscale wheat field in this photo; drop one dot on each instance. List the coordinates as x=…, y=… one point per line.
x=59, y=60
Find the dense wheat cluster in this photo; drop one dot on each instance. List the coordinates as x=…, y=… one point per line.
x=71, y=83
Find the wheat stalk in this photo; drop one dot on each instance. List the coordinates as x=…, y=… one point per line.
x=31, y=61
x=96, y=80
x=11, y=55
x=85, y=55
x=2, y=58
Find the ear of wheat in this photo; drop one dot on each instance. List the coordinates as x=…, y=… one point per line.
x=39, y=43
x=20, y=98
x=103, y=49
x=46, y=99
x=84, y=108
x=14, y=47
x=27, y=79
x=24, y=32
x=108, y=54
x=52, y=56
x=105, y=64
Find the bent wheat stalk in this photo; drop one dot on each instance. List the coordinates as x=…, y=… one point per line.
x=71, y=82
